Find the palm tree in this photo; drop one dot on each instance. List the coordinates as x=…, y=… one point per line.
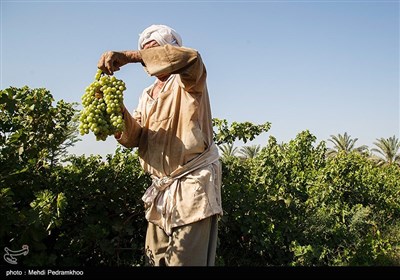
x=228, y=150
x=344, y=143
x=250, y=151
x=388, y=149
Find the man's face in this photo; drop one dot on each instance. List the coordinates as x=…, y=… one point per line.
x=150, y=44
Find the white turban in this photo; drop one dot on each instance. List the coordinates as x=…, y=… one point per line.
x=162, y=34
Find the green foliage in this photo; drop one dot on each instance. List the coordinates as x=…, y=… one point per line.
x=344, y=143
x=292, y=206
x=227, y=150
x=250, y=151
x=33, y=132
x=388, y=149
x=34, y=135
x=245, y=131
x=287, y=204
x=352, y=202
x=278, y=179
x=103, y=223
x=236, y=227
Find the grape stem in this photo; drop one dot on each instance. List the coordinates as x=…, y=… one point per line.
x=98, y=95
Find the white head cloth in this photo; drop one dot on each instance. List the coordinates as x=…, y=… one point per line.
x=162, y=34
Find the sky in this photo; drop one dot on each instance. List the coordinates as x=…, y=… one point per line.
x=329, y=67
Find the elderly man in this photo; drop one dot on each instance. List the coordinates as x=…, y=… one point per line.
x=172, y=128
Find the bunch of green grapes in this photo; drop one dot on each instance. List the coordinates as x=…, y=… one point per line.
x=102, y=107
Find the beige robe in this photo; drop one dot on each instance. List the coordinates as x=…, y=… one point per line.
x=174, y=136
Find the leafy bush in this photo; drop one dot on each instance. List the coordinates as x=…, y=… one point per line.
x=292, y=206
x=288, y=205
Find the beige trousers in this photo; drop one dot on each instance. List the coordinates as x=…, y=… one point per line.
x=194, y=244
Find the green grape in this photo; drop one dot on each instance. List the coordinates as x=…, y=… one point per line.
x=102, y=102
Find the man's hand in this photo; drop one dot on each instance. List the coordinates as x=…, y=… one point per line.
x=112, y=61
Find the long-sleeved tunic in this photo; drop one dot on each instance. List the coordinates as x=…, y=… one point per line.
x=174, y=136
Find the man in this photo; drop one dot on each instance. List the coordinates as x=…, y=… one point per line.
x=172, y=128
